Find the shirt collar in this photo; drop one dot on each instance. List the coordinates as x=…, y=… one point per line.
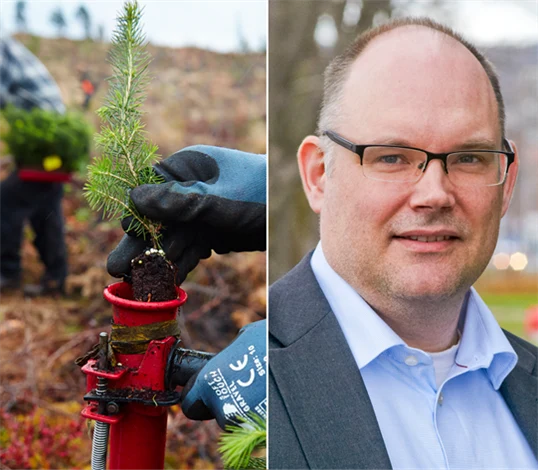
x=483, y=344
x=354, y=315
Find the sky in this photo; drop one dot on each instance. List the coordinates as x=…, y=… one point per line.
x=490, y=22
x=217, y=24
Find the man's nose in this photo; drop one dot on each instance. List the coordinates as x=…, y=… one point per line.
x=433, y=191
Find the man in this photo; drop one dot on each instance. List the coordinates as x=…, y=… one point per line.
x=26, y=83
x=381, y=354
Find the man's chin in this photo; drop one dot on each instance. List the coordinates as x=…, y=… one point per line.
x=428, y=289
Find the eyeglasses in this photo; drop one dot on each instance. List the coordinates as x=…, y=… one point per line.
x=397, y=164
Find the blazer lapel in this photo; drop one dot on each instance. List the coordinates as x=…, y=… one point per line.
x=520, y=391
x=319, y=380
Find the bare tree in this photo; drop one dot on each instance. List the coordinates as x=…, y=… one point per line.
x=58, y=20
x=242, y=41
x=83, y=15
x=20, y=16
x=101, y=33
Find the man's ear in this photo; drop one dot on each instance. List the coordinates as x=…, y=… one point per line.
x=510, y=182
x=312, y=169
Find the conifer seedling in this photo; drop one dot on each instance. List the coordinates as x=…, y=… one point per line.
x=240, y=445
x=127, y=156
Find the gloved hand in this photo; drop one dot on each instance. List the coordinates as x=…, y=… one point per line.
x=213, y=199
x=233, y=382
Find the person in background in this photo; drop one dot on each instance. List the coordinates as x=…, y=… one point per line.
x=26, y=83
x=88, y=88
x=381, y=354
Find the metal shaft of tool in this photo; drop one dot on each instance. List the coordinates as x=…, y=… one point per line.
x=99, y=445
x=101, y=430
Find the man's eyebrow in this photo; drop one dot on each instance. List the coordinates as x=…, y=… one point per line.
x=479, y=144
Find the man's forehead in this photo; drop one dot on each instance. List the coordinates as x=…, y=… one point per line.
x=414, y=63
x=415, y=43
x=414, y=77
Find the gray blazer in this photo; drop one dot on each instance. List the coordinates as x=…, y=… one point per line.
x=320, y=415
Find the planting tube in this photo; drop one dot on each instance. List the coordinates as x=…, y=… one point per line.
x=138, y=440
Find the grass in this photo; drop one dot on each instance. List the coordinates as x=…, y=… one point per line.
x=509, y=309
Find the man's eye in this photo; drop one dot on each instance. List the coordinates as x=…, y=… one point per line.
x=468, y=158
x=392, y=159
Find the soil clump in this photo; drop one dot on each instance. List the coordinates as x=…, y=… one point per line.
x=153, y=277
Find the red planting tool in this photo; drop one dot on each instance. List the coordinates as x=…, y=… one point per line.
x=133, y=380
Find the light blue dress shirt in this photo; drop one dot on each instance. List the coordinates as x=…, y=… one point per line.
x=463, y=424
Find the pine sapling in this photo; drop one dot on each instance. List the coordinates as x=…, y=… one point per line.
x=244, y=445
x=126, y=156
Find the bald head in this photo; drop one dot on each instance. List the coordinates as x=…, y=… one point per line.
x=408, y=62
x=416, y=80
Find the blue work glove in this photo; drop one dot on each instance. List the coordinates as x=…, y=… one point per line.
x=233, y=382
x=213, y=199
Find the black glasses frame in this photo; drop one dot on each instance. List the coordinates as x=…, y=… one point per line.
x=359, y=150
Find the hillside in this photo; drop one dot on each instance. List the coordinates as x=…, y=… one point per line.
x=195, y=96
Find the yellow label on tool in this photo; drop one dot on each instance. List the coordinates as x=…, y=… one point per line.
x=52, y=162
